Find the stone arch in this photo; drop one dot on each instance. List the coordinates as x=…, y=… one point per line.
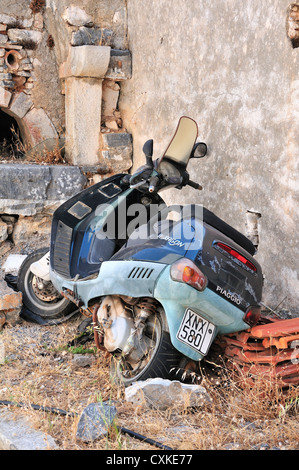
x=33, y=123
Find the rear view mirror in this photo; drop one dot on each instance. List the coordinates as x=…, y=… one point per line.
x=148, y=151
x=199, y=150
x=148, y=148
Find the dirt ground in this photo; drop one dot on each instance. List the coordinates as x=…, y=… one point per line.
x=43, y=367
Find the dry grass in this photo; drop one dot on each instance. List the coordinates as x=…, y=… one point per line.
x=39, y=370
x=16, y=150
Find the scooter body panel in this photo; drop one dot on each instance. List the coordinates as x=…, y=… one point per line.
x=143, y=269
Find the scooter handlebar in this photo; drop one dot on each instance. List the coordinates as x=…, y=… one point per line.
x=194, y=185
x=153, y=183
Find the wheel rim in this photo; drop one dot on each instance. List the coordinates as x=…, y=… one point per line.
x=48, y=299
x=129, y=371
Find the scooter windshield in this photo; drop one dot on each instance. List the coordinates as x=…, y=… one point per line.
x=182, y=143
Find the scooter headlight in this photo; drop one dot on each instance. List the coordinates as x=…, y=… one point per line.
x=184, y=270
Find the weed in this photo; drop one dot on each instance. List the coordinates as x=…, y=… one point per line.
x=243, y=417
x=37, y=5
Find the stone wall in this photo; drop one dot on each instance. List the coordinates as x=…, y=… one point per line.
x=62, y=64
x=43, y=46
x=233, y=67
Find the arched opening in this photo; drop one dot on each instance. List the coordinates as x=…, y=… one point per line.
x=11, y=145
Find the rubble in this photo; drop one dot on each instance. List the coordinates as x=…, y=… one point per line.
x=95, y=421
x=16, y=433
x=10, y=305
x=163, y=394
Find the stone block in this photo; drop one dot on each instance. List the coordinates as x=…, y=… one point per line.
x=120, y=65
x=86, y=61
x=17, y=433
x=13, y=264
x=3, y=231
x=117, y=150
x=91, y=37
x=26, y=227
x=75, y=16
x=110, y=97
x=117, y=140
x=27, y=189
x=96, y=421
x=8, y=20
x=9, y=299
x=20, y=105
x=24, y=181
x=22, y=35
x=37, y=127
x=83, y=100
x=164, y=394
x=5, y=97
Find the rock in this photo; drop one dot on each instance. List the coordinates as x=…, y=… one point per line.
x=13, y=263
x=21, y=36
x=16, y=433
x=5, y=247
x=163, y=394
x=37, y=126
x=27, y=189
x=117, y=149
x=95, y=421
x=2, y=348
x=5, y=97
x=86, y=61
x=28, y=226
x=120, y=65
x=82, y=360
x=110, y=95
x=12, y=317
x=3, y=231
x=20, y=105
x=75, y=16
x=9, y=299
x=10, y=305
x=91, y=37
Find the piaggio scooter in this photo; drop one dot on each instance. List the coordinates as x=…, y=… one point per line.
x=160, y=288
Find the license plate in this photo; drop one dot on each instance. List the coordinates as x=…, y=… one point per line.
x=196, y=331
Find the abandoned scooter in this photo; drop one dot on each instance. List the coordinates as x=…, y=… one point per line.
x=160, y=287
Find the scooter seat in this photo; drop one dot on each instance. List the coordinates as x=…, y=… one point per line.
x=219, y=224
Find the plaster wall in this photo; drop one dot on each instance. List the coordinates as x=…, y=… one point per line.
x=230, y=66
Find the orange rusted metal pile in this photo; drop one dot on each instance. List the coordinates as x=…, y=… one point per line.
x=269, y=351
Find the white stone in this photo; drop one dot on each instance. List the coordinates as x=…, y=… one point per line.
x=83, y=100
x=110, y=97
x=17, y=433
x=86, y=61
x=75, y=16
x=13, y=264
x=163, y=394
x=20, y=35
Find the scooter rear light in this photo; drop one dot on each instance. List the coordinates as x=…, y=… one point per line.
x=252, y=316
x=237, y=255
x=184, y=270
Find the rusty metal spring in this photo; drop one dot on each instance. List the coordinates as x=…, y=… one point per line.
x=148, y=304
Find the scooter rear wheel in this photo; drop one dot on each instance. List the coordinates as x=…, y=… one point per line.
x=41, y=298
x=161, y=361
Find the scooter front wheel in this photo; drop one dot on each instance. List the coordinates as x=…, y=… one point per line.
x=41, y=297
x=161, y=360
